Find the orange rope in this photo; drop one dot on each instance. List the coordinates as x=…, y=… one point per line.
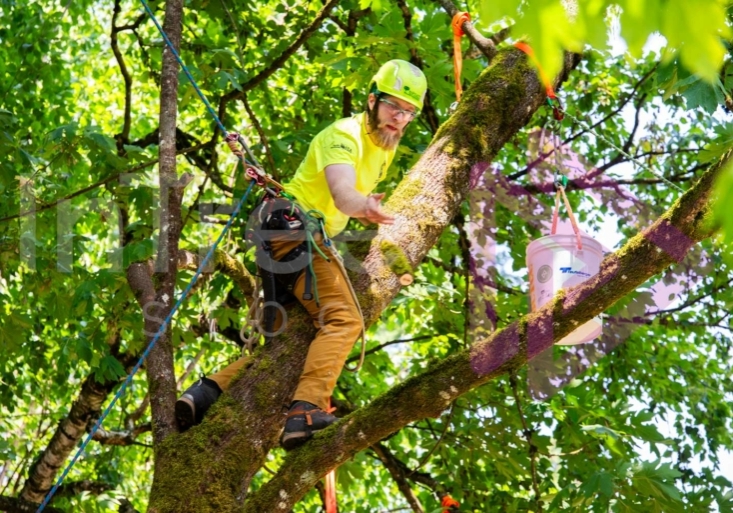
x=331, y=504
x=458, y=20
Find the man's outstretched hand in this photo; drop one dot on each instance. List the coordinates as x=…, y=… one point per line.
x=373, y=211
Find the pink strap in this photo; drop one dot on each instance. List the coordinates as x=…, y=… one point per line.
x=561, y=191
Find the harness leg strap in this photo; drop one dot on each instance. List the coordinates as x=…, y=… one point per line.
x=307, y=295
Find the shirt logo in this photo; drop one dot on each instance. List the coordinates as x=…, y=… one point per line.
x=339, y=146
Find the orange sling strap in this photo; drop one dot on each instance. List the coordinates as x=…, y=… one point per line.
x=551, y=96
x=458, y=20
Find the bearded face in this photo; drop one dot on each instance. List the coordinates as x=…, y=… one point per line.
x=387, y=120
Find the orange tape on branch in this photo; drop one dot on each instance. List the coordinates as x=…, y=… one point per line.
x=458, y=20
x=557, y=110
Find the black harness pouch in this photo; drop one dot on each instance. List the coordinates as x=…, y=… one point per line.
x=279, y=218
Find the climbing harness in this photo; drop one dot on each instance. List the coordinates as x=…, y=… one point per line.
x=281, y=218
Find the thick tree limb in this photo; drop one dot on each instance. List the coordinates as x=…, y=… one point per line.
x=71, y=429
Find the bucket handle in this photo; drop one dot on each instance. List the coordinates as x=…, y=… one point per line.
x=561, y=191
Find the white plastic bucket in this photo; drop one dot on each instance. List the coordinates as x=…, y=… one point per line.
x=555, y=263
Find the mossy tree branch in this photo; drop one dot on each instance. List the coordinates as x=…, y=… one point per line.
x=13, y=505
x=72, y=428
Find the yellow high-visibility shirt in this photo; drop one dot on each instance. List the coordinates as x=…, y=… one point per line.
x=344, y=142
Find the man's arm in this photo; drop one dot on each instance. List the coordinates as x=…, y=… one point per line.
x=341, y=180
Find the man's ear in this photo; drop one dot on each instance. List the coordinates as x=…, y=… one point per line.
x=371, y=100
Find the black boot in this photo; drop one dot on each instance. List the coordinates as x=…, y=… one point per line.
x=194, y=403
x=304, y=419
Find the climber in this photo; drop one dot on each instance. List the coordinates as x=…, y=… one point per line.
x=343, y=165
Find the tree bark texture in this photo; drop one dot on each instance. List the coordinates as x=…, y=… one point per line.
x=210, y=467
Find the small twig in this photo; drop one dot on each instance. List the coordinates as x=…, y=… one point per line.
x=390, y=343
x=541, y=158
x=437, y=444
x=93, y=186
x=196, y=201
x=263, y=137
x=282, y=58
x=528, y=436
x=428, y=113
x=125, y=134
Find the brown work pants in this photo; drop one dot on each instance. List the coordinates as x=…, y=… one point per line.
x=337, y=320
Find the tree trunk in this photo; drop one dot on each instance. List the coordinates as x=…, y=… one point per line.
x=161, y=376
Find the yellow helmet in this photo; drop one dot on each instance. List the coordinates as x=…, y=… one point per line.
x=401, y=79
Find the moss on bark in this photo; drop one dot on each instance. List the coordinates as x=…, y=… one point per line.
x=395, y=258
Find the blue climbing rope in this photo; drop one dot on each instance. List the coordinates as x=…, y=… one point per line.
x=187, y=290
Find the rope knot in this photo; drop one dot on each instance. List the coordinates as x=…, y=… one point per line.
x=232, y=139
x=458, y=20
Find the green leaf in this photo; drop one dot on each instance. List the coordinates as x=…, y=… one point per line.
x=703, y=94
x=697, y=29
